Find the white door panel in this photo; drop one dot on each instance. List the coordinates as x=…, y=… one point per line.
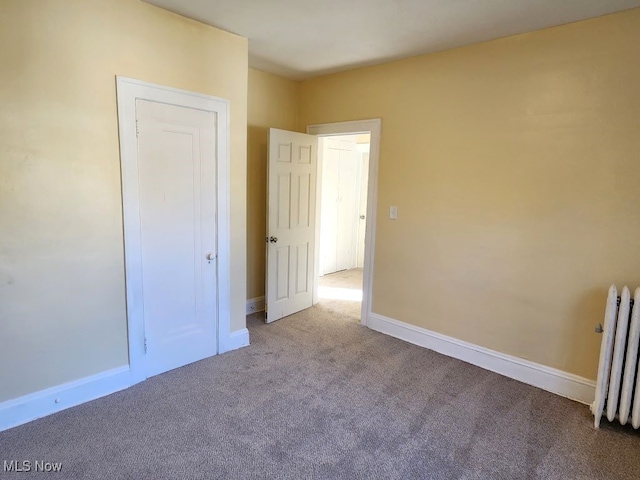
x=291, y=208
x=329, y=210
x=176, y=165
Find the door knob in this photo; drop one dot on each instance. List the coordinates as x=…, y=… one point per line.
x=273, y=239
x=361, y=217
x=209, y=256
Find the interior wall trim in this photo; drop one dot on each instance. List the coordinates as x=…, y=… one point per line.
x=550, y=379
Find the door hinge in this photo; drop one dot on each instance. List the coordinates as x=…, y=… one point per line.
x=137, y=130
x=145, y=345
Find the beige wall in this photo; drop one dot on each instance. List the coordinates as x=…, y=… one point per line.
x=272, y=102
x=514, y=165
x=62, y=297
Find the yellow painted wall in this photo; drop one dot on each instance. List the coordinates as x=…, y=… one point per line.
x=514, y=165
x=62, y=293
x=272, y=102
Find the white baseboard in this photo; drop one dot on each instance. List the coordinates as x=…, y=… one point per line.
x=556, y=381
x=45, y=402
x=237, y=339
x=39, y=404
x=255, y=305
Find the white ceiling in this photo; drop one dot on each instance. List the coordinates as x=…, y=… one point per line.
x=305, y=38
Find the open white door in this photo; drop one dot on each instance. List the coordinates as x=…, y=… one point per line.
x=291, y=207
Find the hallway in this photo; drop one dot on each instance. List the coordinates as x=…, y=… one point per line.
x=341, y=293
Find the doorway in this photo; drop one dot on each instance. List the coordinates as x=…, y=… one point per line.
x=344, y=164
x=343, y=201
x=293, y=217
x=344, y=283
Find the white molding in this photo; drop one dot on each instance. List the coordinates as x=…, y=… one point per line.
x=255, y=305
x=374, y=127
x=128, y=90
x=51, y=400
x=235, y=340
x=550, y=379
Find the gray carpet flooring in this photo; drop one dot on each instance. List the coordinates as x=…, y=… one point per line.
x=318, y=396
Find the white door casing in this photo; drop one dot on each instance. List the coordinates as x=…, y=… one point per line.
x=176, y=178
x=129, y=92
x=291, y=222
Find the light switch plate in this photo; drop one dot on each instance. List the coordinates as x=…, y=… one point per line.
x=393, y=212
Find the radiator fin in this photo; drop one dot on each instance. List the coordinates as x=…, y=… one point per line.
x=606, y=348
x=630, y=363
x=618, y=382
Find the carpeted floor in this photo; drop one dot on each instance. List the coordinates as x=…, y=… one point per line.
x=318, y=396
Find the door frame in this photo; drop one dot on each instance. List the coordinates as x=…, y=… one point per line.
x=374, y=127
x=128, y=91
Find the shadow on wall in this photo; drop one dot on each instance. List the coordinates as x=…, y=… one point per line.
x=587, y=312
x=257, y=208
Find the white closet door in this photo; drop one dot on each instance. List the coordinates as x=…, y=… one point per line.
x=348, y=186
x=177, y=195
x=329, y=209
x=340, y=199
